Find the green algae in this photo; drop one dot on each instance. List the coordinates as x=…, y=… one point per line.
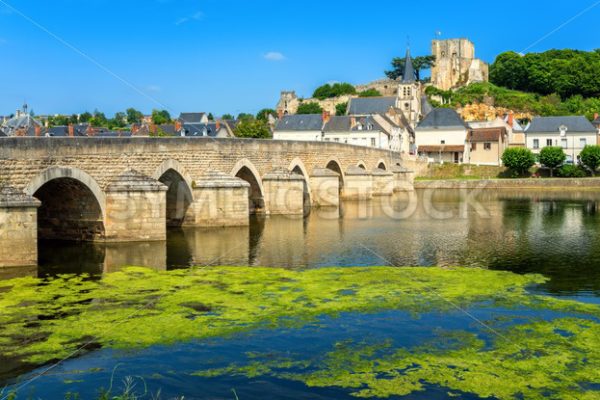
x=43, y=320
x=557, y=359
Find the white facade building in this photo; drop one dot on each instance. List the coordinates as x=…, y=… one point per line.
x=442, y=137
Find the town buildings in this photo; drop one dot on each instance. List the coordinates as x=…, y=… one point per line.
x=442, y=137
x=570, y=133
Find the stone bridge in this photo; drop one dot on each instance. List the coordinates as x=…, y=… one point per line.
x=121, y=190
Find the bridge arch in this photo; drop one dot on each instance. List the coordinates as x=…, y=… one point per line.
x=73, y=204
x=180, y=195
x=244, y=169
x=335, y=165
x=381, y=164
x=362, y=165
x=298, y=167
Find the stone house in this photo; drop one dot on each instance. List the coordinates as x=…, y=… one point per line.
x=442, y=136
x=486, y=145
x=358, y=131
x=572, y=133
x=306, y=128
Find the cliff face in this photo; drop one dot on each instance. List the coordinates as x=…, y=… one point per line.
x=486, y=112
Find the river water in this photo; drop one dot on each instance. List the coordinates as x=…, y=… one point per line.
x=555, y=234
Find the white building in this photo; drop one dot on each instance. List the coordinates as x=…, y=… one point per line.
x=308, y=128
x=570, y=133
x=363, y=131
x=442, y=137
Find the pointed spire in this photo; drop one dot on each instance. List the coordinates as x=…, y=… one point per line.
x=409, y=70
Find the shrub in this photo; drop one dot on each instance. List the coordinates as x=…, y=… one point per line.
x=571, y=171
x=590, y=158
x=518, y=159
x=552, y=158
x=309, y=108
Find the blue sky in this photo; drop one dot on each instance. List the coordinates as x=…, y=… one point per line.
x=228, y=56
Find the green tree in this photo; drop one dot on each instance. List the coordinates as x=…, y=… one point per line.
x=134, y=116
x=85, y=117
x=250, y=127
x=99, y=119
x=227, y=117
x=370, y=93
x=341, y=109
x=244, y=116
x=211, y=117
x=263, y=115
x=552, y=157
x=590, y=158
x=309, y=108
x=160, y=117
x=328, y=91
x=420, y=63
x=509, y=70
x=518, y=159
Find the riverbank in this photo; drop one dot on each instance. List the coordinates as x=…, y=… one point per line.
x=578, y=184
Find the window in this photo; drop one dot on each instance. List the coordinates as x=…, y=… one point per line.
x=443, y=142
x=536, y=143
x=473, y=146
x=548, y=142
x=564, y=143
x=336, y=139
x=487, y=146
x=582, y=142
x=373, y=142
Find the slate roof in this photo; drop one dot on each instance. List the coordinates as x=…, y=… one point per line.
x=191, y=118
x=442, y=118
x=344, y=124
x=2, y=134
x=487, y=134
x=426, y=107
x=201, y=130
x=553, y=124
x=409, y=70
x=596, y=121
x=58, y=131
x=371, y=105
x=308, y=122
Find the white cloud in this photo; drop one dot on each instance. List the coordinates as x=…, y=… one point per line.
x=194, y=17
x=274, y=56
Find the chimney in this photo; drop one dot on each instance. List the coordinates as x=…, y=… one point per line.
x=218, y=125
x=38, y=131
x=326, y=116
x=177, y=126
x=595, y=116
x=280, y=113
x=71, y=130
x=511, y=119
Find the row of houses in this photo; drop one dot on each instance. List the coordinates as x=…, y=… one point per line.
x=443, y=136
x=187, y=125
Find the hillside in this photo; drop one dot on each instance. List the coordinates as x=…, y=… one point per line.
x=517, y=101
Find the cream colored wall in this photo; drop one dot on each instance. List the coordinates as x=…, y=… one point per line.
x=573, y=148
x=303, y=136
x=359, y=138
x=480, y=156
x=434, y=137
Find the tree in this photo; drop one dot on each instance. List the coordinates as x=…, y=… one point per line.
x=336, y=90
x=370, y=93
x=85, y=117
x=134, y=116
x=341, y=109
x=552, y=157
x=211, y=117
x=590, y=158
x=252, y=128
x=420, y=64
x=263, y=115
x=309, y=108
x=243, y=116
x=119, y=121
x=160, y=117
x=518, y=159
x=509, y=70
x=99, y=119
x=227, y=117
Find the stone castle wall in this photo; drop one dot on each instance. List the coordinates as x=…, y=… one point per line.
x=456, y=64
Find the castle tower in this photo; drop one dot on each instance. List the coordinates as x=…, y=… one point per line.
x=409, y=92
x=456, y=65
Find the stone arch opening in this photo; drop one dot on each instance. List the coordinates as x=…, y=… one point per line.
x=69, y=211
x=179, y=197
x=247, y=172
x=306, y=193
x=362, y=165
x=382, y=165
x=335, y=167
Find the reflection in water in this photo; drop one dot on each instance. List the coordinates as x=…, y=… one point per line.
x=553, y=233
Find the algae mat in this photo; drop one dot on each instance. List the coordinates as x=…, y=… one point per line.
x=554, y=356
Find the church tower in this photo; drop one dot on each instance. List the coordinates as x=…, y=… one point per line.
x=409, y=92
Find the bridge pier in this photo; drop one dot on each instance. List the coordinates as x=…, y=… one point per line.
x=18, y=229
x=219, y=201
x=359, y=184
x=325, y=187
x=404, y=179
x=135, y=209
x=284, y=193
x=383, y=182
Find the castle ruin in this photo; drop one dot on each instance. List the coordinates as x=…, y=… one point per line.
x=456, y=65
